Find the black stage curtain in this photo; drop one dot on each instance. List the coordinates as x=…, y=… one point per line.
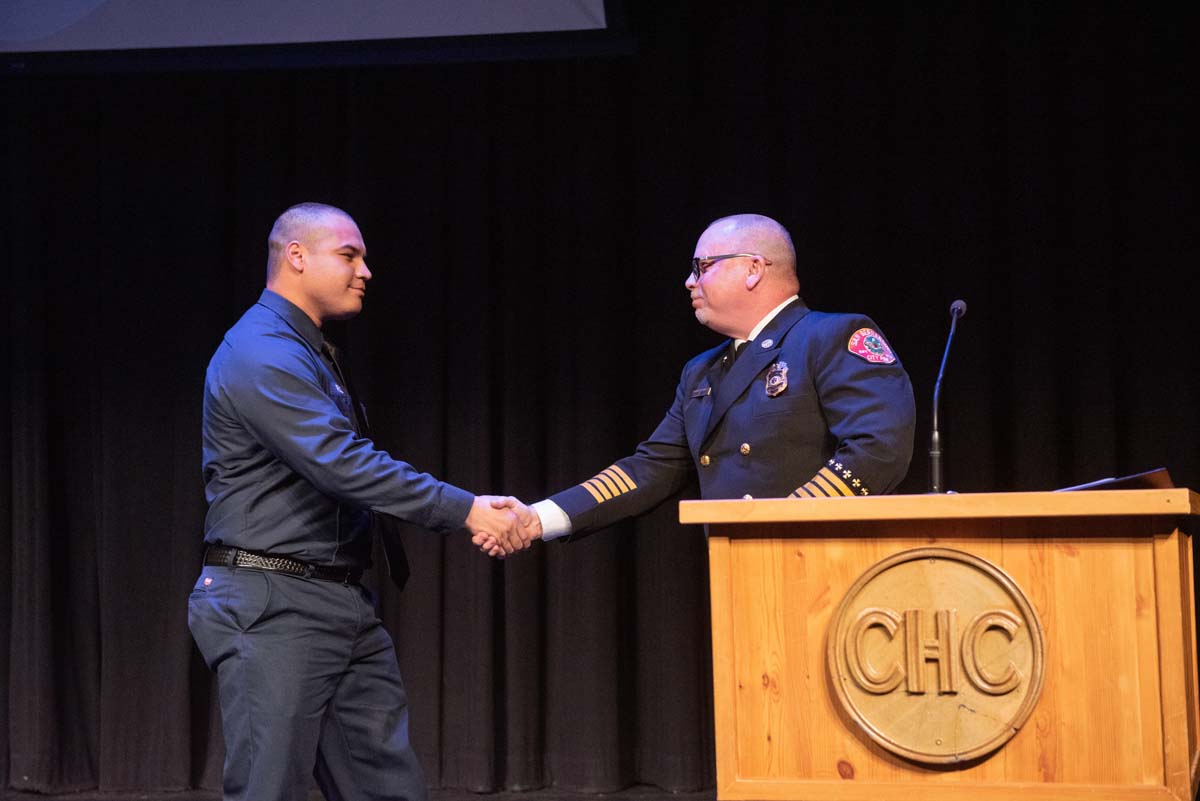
x=529, y=225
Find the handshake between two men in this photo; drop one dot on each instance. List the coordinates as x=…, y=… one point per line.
x=502, y=525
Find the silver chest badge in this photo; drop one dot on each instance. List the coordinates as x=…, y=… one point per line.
x=776, y=379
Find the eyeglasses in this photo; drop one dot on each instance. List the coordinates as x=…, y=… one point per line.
x=700, y=264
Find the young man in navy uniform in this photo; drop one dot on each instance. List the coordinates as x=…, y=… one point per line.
x=307, y=673
x=798, y=403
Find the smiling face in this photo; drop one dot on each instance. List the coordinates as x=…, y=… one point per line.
x=319, y=262
x=335, y=270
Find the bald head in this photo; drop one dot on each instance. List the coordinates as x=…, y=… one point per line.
x=756, y=233
x=744, y=266
x=301, y=223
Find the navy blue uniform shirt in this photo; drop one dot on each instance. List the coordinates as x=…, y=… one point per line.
x=284, y=469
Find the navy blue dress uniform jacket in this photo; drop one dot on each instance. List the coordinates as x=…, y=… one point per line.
x=841, y=425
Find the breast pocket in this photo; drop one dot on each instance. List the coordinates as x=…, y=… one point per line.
x=794, y=403
x=697, y=403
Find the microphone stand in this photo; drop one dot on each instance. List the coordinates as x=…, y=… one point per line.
x=957, y=309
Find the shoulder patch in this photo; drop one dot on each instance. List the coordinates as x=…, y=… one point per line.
x=869, y=344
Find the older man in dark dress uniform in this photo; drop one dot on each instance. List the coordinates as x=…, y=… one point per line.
x=798, y=403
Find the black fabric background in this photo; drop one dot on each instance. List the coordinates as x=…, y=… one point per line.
x=529, y=225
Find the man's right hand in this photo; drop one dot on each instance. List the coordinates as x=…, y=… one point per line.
x=494, y=527
x=531, y=523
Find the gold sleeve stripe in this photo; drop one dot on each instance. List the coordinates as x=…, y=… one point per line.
x=625, y=476
x=823, y=486
x=836, y=481
x=822, y=481
x=587, y=486
x=600, y=488
x=609, y=484
x=606, y=489
x=815, y=486
x=616, y=479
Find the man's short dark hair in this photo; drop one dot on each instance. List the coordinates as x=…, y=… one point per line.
x=292, y=225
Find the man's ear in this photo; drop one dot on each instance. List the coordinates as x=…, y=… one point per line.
x=295, y=256
x=755, y=272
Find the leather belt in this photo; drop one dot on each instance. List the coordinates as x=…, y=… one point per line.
x=224, y=556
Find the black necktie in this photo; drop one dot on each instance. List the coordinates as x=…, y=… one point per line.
x=384, y=526
x=738, y=348
x=357, y=417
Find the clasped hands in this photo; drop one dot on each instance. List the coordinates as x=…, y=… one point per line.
x=502, y=525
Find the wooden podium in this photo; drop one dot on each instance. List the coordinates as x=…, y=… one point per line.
x=1108, y=575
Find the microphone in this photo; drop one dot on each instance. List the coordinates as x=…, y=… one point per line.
x=957, y=309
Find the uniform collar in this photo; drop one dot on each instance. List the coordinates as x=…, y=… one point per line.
x=765, y=321
x=751, y=363
x=300, y=322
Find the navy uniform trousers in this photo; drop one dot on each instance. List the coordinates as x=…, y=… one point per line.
x=307, y=676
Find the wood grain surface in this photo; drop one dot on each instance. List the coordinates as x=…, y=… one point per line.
x=1117, y=717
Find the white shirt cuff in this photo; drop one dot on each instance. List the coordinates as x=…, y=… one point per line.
x=555, y=522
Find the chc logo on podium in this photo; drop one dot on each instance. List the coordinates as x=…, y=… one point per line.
x=937, y=655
